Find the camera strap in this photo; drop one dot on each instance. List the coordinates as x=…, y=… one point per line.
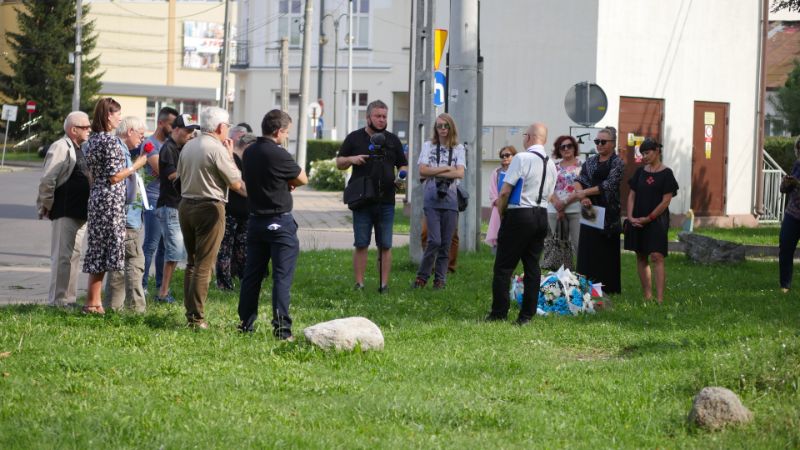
x=449, y=155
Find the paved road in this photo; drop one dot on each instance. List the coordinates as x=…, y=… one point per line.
x=25, y=241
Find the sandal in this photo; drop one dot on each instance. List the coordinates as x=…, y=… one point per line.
x=97, y=309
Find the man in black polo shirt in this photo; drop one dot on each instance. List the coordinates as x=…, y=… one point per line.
x=270, y=175
x=378, y=166
x=169, y=198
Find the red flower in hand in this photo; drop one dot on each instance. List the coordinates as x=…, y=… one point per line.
x=149, y=147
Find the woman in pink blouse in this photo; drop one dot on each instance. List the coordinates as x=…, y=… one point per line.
x=564, y=206
x=506, y=153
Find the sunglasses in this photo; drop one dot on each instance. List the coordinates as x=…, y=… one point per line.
x=601, y=141
x=443, y=126
x=566, y=147
x=83, y=127
x=506, y=155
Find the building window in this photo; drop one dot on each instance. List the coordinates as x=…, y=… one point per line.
x=290, y=21
x=184, y=106
x=360, y=101
x=361, y=23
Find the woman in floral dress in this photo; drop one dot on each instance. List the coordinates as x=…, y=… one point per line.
x=105, y=227
x=563, y=205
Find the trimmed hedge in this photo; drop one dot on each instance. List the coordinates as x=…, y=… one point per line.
x=782, y=151
x=320, y=149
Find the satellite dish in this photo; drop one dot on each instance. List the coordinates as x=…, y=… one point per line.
x=586, y=103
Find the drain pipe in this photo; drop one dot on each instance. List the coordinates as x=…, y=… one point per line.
x=762, y=92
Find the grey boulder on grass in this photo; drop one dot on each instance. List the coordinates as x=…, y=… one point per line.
x=716, y=407
x=345, y=334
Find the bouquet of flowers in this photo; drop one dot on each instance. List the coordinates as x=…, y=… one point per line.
x=561, y=292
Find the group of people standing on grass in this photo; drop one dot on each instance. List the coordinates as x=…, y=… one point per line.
x=224, y=199
x=93, y=184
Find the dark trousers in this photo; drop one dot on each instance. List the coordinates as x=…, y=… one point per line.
x=232, y=252
x=441, y=224
x=202, y=224
x=269, y=238
x=790, y=233
x=521, y=237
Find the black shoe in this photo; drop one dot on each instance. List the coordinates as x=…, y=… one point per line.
x=522, y=321
x=242, y=328
x=383, y=289
x=358, y=287
x=493, y=318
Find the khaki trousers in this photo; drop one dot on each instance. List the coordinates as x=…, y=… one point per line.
x=124, y=288
x=66, y=240
x=202, y=225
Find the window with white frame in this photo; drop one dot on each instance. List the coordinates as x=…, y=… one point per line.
x=361, y=23
x=290, y=21
x=359, y=104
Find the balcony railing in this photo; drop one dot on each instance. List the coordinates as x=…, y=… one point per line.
x=242, y=55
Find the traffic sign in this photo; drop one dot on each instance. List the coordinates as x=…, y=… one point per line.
x=439, y=39
x=439, y=88
x=586, y=103
x=9, y=113
x=30, y=106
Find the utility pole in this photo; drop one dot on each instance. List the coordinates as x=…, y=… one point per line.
x=76, y=91
x=322, y=41
x=302, y=121
x=226, y=63
x=349, y=68
x=463, y=106
x=285, y=79
x=420, y=91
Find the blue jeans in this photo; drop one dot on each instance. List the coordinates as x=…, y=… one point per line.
x=790, y=233
x=441, y=225
x=378, y=215
x=152, y=244
x=269, y=238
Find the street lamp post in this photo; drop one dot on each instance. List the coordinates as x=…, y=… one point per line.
x=336, y=22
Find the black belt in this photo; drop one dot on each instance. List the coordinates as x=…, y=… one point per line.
x=268, y=215
x=200, y=200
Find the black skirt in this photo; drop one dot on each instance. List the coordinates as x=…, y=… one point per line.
x=651, y=238
x=599, y=258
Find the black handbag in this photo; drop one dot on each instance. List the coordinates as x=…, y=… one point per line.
x=463, y=198
x=558, y=249
x=360, y=192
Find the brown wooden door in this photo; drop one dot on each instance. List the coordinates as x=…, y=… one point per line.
x=642, y=117
x=709, y=158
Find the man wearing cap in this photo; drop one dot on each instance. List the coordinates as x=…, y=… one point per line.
x=169, y=197
x=63, y=198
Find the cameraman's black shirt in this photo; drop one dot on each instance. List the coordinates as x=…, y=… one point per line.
x=267, y=168
x=357, y=143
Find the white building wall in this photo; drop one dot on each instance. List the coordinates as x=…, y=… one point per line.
x=381, y=69
x=534, y=51
x=682, y=52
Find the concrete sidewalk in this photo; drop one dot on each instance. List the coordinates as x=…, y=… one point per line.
x=324, y=221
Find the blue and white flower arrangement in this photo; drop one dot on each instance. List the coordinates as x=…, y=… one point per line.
x=562, y=292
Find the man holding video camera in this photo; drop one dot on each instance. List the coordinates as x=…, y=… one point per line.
x=374, y=153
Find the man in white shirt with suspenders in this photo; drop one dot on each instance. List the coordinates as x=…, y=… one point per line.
x=522, y=202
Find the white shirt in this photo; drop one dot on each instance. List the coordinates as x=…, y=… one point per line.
x=528, y=167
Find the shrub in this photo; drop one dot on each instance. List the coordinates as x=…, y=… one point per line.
x=319, y=149
x=324, y=175
x=782, y=151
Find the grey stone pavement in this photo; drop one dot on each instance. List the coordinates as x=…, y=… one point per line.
x=323, y=219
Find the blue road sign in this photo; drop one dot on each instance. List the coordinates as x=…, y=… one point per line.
x=439, y=88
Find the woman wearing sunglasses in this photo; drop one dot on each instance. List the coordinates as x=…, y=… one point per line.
x=506, y=154
x=652, y=188
x=441, y=163
x=598, y=185
x=564, y=208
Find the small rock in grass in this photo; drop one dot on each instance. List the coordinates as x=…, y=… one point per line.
x=716, y=407
x=345, y=334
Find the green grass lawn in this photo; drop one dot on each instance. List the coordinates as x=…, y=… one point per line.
x=22, y=156
x=617, y=379
x=402, y=223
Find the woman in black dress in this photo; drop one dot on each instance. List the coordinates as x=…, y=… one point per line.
x=598, y=185
x=652, y=188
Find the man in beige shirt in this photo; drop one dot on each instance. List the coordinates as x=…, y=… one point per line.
x=206, y=170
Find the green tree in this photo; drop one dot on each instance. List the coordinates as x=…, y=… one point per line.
x=787, y=100
x=39, y=60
